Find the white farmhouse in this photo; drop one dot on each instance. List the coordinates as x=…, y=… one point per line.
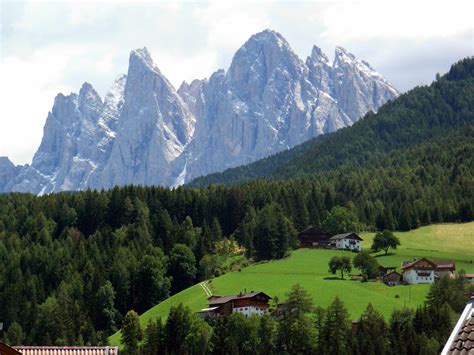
x=424, y=271
x=244, y=303
x=346, y=241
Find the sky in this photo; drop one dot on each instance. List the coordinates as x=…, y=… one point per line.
x=51, y=47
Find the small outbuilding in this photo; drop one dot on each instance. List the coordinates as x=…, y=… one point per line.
x=392, y=278
x=469, y=278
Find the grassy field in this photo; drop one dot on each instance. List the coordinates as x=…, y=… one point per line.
x=309, y=267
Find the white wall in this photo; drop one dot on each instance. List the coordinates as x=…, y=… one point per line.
x=412, y=277
x=248, y=311
x=345, y=244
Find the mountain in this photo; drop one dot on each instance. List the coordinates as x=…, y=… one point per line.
x=269, y=100
x=77, y=140
x=146, y=132
x=424, y=124
x=155, y=125
x=8, y=171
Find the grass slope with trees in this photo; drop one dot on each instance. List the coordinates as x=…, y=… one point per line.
x=73, y=264
x=309, y=268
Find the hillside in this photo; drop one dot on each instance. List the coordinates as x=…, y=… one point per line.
x=434, y=115
x=309, y=268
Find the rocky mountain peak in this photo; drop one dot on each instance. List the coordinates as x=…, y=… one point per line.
x=263, y=58
x=142, y=55
x=89, y=102
x=358, y=87
x=140, y=61
x=318, y=56
x=342, y=54
x=146, y=132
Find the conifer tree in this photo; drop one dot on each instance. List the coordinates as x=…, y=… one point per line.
x=337, y=329
x=132, y=333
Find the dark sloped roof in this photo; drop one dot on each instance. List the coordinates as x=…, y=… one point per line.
x=312, y=229
x=463, y=343
x=225, y=299
x=394, y=272
x=409, y=263
x=7, y=349
x=345, y=235
x=438, y=264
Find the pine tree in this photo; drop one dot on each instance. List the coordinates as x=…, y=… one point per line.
x=295, y=331
x=198, y=340
x=337, y=329
x=154, y=338
x=182, y=267
x=371, y=333
x=132, y=333
x=177, y=329
x=266, y=335
x=403, y=337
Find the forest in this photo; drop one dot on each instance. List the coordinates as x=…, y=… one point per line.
x=73, y=264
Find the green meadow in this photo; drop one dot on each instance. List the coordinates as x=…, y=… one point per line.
x=309, y=267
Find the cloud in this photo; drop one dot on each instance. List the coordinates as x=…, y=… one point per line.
x=27, y=89
x=396, y=19
x=50, y=47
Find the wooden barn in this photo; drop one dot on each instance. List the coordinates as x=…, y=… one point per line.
x=392, y=278
x=313, y=237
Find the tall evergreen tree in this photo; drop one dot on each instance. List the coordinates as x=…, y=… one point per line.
x=337, y=329
x=182, y=267
x=371, y=333
x=132, y=333
x=295, y=330
x=177, y=329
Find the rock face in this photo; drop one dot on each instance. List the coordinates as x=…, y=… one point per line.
x=76, y=142
x=155, y=125
x=8, y=172
x=146, y=132
x=270, y=100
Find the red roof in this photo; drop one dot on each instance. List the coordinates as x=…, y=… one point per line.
x=407, y=264
x=67, y=350
x=437, y=264
x=445, y=264
x=463, y=343
x=7, y=349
